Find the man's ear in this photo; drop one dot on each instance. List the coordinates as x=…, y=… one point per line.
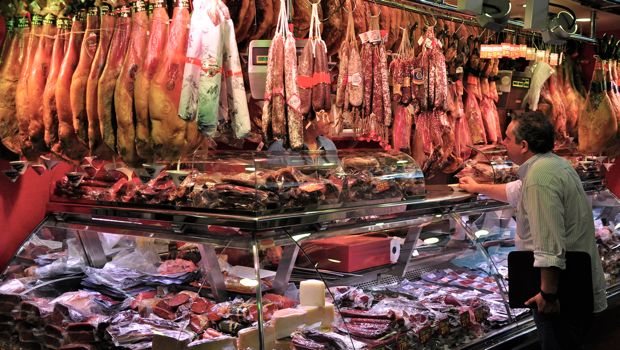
x=525, y=147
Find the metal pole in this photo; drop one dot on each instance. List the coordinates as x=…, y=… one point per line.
x=593, y=24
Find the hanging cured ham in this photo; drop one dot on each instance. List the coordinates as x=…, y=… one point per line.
x=238, y=114
x=541, y=72
x=35, y=144
x=69, y=145
x=12, y=59
x=158, y=35
x=23, y=105
x=95, y=139
x=168, y=129
x=597, y=123
x=124, y=92
x=50, y=115
x=202, y=78
x=80, y=77
x=111, y=71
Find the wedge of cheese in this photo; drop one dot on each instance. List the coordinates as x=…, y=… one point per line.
x=312, y=293
x=248, y=338
x=286, y=321
x=282, y=345
x=323, y=315
x=223, y=343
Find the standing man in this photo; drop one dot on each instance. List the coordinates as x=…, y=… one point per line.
x=553, y=217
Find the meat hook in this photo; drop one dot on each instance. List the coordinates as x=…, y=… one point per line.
x=353, y=9
x=329, y=15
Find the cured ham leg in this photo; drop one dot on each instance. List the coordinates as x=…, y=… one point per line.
x=80, y=77
x=69, y=145
x=50, y=115
x=158, y=35
x=235, y=89
x=124, y=93
x=95, y=141
x=168, y=130
x=597, y=122
x=23, y=105
x=107, y=82
x=12, y=60
x=35, y=145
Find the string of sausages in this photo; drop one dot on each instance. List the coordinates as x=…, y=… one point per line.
x=282, y=114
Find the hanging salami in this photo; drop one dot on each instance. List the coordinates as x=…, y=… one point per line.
x=286, y=95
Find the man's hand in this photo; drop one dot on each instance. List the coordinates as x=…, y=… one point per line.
x=468, y=184
x=543, y=306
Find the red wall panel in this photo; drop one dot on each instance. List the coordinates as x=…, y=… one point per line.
x=22, y=206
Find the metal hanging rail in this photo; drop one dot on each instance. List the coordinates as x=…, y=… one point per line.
x=443, y=11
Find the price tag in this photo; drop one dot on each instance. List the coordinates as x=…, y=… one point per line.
x=464, y=319
x=364, y=38
x=402, y=344
x=374, y=36
x=444, y=326
x=425, y=334
x=506, y=50
x=480, y=313
x=485, y=51
x=553, y=59
x=428, y=43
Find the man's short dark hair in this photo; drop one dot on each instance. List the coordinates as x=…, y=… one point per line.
x=535, y=128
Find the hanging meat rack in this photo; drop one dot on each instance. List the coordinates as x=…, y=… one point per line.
x=451, y=13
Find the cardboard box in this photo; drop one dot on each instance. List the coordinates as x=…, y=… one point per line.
x=349, y=253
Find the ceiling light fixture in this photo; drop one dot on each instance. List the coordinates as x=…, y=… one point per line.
x=585, y=19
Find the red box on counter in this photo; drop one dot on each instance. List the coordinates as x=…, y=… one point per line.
x=349, y=253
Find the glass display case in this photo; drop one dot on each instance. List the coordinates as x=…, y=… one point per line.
x=426, y=273
x=252, y=183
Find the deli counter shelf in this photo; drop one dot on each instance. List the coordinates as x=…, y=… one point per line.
x=439, y=199
x=452, y=251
